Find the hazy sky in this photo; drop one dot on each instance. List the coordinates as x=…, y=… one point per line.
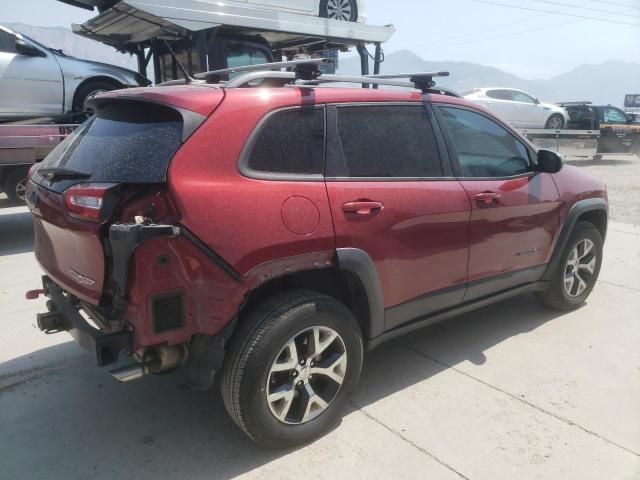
x=523, y=39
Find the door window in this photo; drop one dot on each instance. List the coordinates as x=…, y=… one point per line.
x=485, y=149
x=385, y=142
x=7, y=43
x=613, y=115
x=289, y=142
x=522, y=97
x=500, y=94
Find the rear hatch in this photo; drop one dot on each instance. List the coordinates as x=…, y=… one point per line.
x=77, y=192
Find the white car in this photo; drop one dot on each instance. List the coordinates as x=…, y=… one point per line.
x=346, y=10
x=519, y=108
x=38, y=81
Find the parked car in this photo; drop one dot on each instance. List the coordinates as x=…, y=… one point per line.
x=271, y=236
x=619, y=131
x=519, y=108
x=347, y=10
x=38, y=81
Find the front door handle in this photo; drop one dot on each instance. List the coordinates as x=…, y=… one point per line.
x=362, y=207
x=488, y=197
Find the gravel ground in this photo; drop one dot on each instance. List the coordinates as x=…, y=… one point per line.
x=621, y=173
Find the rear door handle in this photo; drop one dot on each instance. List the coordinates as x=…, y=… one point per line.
x=362, y=207
x=488, y=197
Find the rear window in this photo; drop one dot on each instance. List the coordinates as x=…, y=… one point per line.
x=124, y=143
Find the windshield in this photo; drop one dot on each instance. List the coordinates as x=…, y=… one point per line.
x=124, y=143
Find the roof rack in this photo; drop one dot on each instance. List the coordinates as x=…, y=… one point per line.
x=573, y=104
x=307, y=73
x=214, y=76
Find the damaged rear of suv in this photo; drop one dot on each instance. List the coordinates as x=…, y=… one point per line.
x=266, y=236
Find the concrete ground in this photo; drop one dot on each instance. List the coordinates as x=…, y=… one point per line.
x=512, y=391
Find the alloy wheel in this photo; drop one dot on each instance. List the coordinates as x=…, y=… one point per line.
x=21, y=190
x=580, y=268
x=340, y=9
x=555, y=122
x=306, y=375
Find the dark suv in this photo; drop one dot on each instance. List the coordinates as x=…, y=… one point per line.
x=274, y=234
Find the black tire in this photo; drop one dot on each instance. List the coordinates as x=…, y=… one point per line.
x=90, y=88
x=555, y=121
x=14, y=185
x=556, y=295
x=326, y=13
x=260, y=339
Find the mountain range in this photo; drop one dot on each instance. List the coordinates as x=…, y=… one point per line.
x=604, y=83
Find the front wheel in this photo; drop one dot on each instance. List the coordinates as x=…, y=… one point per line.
x=578, y=271
x=87, y=91
x=555, y=122
x=291, y=367
x=344, y=10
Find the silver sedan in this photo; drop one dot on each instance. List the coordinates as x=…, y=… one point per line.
x=37, y=81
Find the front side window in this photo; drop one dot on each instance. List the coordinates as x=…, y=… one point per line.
x=500, y=94
x=7, y=43
x=385, y=142
x=522, y=97
x=613, y=115
x=290, y=142
x=485, y=149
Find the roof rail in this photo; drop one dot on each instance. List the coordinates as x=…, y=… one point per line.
x=307, y=72
x=214, y=75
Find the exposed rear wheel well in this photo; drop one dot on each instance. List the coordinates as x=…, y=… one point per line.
x=342, y=285
x=598, y=218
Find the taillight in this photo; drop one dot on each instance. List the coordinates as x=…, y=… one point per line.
x=89, y=201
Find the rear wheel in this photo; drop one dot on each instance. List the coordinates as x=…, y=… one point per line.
x=88, y=91
x=579, y=268
x=555, y=121
x=345, y=10
x=15, y=185
x=291, y=367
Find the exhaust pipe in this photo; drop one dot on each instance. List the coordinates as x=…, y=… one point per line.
x=157, y=360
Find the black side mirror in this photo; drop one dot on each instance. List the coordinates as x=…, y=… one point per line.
x=548, y=162
x=536, y=101
x=24, y=48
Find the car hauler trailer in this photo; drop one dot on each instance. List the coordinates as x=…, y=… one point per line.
x=203, y=36
x=209, y=35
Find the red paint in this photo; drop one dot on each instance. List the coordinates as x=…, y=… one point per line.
x=423, y=236
x=523, y=214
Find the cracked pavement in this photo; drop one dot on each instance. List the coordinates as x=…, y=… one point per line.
x=509, y=391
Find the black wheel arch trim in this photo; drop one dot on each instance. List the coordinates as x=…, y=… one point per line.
x=360, y=263
x=579, y=208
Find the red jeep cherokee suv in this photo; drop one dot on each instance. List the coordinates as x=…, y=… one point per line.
x=273, y=234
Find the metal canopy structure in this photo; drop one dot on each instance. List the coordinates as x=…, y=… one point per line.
x=130, y=23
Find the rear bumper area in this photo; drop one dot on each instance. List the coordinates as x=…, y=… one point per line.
x=64, y=315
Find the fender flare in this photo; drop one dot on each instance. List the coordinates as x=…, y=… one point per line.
x=578, y=208
x=359, y=263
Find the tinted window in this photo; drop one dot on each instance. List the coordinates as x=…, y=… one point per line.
x=522, y=97
x=122, y=144
x=614, y=115
x=386, y=141
x=484, y=148
x=290, y=142
x=7, y=43
x=500, y=94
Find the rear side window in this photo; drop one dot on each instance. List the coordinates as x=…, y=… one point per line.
x=124, y=143
x=385, y=142
x=289, y=142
